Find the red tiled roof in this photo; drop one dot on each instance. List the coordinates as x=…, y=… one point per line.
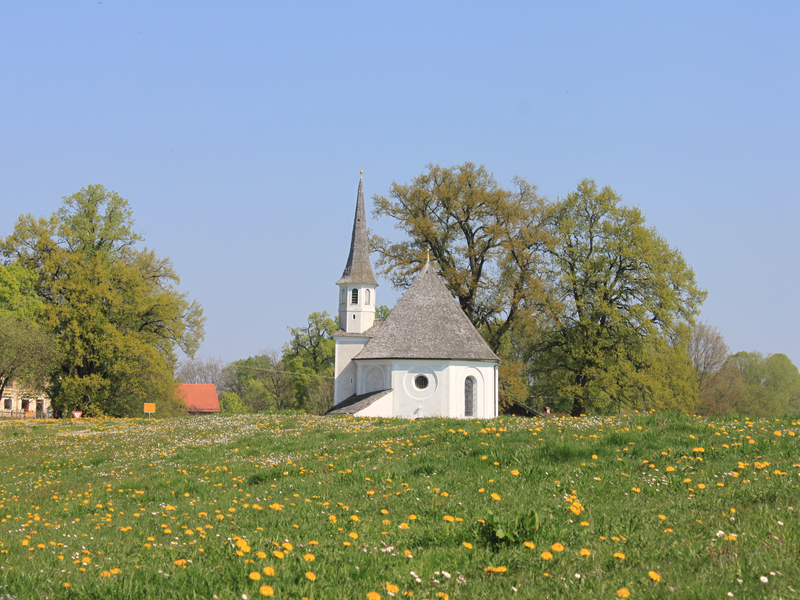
x=199, y=397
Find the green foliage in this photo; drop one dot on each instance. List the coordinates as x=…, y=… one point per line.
x=381, y=312
x=116, y=311
x=309, y=356
x=578, y=297
x=770, y=385
x=621, y=289
x=231, y=403
x=28, y=353
x=313, y=343
x=262, y=382
x=18, y=292
x=520, y=527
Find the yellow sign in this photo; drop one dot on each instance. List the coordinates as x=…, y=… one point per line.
x=149, y=408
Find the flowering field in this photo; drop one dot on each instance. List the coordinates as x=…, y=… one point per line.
x=639, y=506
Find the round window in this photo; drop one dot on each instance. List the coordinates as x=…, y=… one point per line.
x=421, y=382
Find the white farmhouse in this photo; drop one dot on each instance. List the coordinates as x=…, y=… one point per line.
x=426, y=359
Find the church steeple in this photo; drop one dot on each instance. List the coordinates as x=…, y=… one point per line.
x=359, y=269
x=357, y=284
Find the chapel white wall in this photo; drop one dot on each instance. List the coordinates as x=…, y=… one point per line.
x=443, y=397
x=345, y=368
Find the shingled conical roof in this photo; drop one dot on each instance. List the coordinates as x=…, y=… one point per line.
x=427, y=323
x=358, y=270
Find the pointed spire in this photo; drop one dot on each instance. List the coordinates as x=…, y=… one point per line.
x=359, y=269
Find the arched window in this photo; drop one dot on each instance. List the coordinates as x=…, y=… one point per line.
x=354, y=296
x=469, y=396
x=366, y=297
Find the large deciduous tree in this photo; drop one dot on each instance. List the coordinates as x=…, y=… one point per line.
x=621, y=288
x=115, y=309
x=484, y=240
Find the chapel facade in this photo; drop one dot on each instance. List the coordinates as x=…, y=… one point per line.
x=426, y=359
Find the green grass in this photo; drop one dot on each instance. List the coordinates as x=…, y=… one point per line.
x=191, y=507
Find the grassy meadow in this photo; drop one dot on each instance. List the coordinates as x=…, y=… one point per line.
x=298, y=506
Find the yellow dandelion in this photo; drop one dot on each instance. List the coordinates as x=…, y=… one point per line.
x=310, y=576
x=467, y=545
x=309, y=557
x=546, y=555
x=391, y=588
x=278, y=554
x=623, y=593
x=266, y=590
x=353, y=535
x=495, y=569
x=373, y=596
x=515, y=473
x=557, y=547
x=495, y=496
x=269, y=571
x=585, y=552
x=619, y=555
x=584, y=523
x=654, y=576
x=255, y=575
x=449, y=518
x=529, y=545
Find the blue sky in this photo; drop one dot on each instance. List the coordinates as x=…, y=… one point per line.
x=236, y=130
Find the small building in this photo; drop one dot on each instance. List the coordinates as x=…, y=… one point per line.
x=200, y=398
x=19, y=402
x=425, y=359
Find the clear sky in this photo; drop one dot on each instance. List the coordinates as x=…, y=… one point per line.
x=237, y=130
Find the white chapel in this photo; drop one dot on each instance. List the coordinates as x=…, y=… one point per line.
x=426, y=359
